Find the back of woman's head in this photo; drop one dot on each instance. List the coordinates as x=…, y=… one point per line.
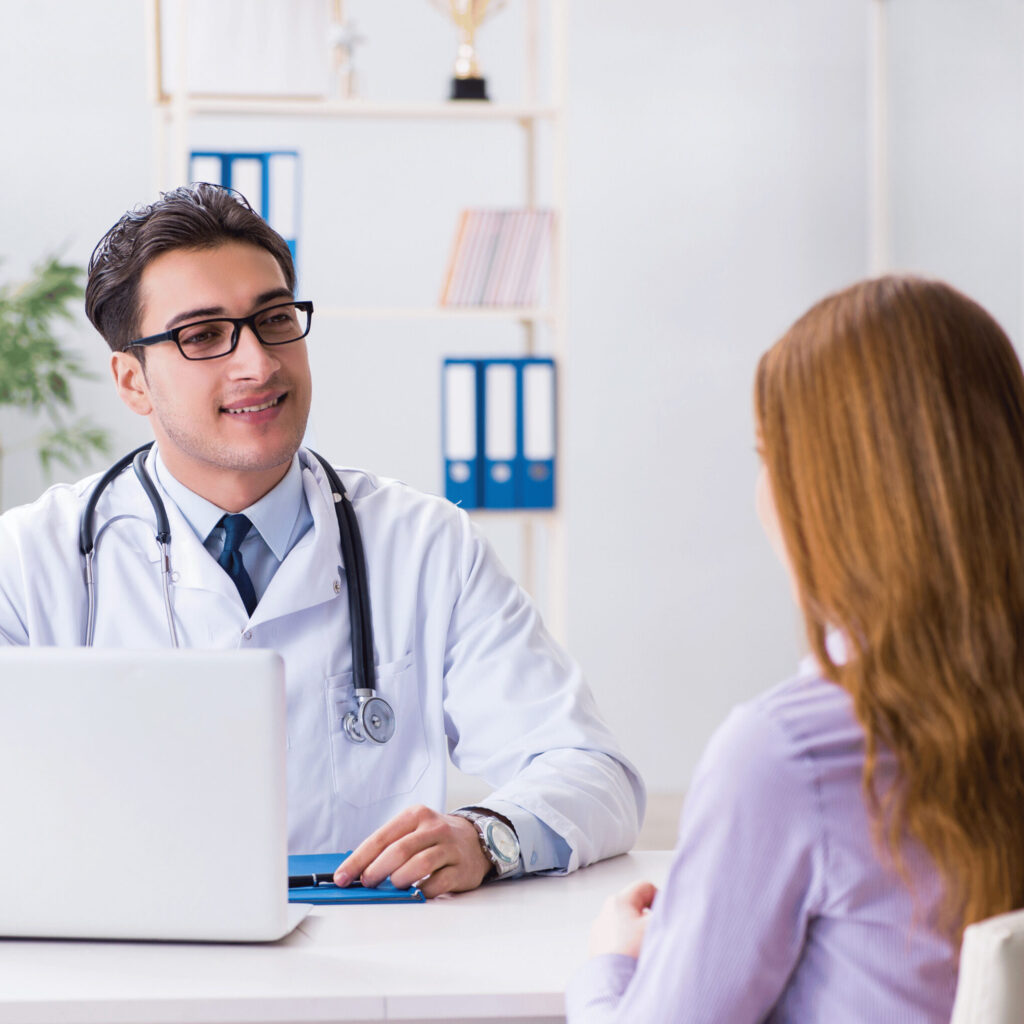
x=892, y=421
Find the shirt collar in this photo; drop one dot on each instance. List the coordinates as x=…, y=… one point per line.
x=274, y=515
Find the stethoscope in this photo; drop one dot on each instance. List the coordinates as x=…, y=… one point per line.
x=373, y=718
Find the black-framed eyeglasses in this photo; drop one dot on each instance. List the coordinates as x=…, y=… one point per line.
x=209, y=339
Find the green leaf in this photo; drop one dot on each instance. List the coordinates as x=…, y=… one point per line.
x=36, y=370
x=58, y=385
x=70, y=443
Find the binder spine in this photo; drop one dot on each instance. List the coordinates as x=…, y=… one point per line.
x=501, y=432
x=208, y=167
x=269, y=181
x=535, y=468
x=281, y=170
x=462, y=429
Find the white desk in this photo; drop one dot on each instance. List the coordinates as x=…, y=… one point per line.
x=501, y=953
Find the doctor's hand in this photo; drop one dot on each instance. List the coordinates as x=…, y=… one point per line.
x=417, y=843
x=620, y=926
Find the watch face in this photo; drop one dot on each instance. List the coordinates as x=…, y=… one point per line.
x=502, y=840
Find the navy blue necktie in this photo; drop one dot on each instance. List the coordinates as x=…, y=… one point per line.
x=235, y=529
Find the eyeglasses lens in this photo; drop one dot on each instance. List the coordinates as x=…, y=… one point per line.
x=206, y=340
x=275, y=326
x=280, y=324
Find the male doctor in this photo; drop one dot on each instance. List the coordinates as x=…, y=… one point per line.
x=195, y=296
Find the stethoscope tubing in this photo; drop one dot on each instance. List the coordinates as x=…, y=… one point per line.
x=163, y=538
x=87, y=539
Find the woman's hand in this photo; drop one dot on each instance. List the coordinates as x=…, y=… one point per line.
x=620, y=926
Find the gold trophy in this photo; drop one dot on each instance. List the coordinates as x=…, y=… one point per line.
x=468, y=15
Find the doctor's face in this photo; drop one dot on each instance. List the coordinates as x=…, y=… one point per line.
x=227, y=428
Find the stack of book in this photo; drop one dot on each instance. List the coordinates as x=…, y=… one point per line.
x=497, y=258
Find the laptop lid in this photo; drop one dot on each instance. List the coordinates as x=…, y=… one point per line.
x=143, y=794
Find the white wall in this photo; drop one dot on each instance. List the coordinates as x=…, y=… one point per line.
x=719, y=188
x=718, y=183
x=74, y=154
x=957, y=143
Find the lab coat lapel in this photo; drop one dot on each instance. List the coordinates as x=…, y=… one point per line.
x=312, y=571
x=310, y=574
x=194, y=567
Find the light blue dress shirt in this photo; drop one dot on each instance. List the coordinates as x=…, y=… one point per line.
x=280, y=519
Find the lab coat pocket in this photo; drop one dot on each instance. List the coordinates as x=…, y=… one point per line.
x=368, y=773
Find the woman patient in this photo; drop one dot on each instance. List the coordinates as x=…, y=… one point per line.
x=842, y=829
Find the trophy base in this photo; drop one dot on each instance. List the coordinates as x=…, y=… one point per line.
x=468, y=89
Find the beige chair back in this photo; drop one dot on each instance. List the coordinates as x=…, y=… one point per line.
x=991, y=985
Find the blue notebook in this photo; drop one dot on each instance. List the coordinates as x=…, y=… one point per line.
x=326, y=864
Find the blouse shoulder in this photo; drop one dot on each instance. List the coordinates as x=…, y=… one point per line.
x=789, y=727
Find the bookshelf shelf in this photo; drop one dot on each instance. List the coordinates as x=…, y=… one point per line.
x=542, y=516
x=341, y=109
x=435, y=313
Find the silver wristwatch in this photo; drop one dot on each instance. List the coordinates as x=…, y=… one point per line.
x=497, y=839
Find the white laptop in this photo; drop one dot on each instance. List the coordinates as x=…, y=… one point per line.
x=143, y=795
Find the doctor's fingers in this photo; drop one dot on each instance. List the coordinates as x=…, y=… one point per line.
x=405, y=864
x=459, y=862
x=395, y=843
x=448, y=851
x=425, y=851
x=454, y=859
x=376, y=843
x=450, y=879
x=451, y=866
x=428, y=869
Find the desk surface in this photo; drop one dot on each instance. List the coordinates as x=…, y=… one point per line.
x=503, y=952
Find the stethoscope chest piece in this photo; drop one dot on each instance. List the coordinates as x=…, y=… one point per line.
x=373, y=720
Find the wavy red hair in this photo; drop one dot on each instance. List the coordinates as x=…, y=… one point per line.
x=892, y=422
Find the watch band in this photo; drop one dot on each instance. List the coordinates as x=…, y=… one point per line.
x=498, y=839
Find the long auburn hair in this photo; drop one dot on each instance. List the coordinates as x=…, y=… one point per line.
x=892, y=421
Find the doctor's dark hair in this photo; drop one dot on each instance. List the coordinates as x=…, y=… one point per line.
x=196, y=216
x=892, y=421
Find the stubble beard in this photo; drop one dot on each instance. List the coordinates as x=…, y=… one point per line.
x=216, y=454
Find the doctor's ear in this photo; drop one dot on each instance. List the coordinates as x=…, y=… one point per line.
x=130, y=381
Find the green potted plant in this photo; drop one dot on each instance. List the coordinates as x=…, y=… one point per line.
x=36, y=370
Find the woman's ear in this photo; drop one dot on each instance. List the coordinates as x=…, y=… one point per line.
x=130, y=381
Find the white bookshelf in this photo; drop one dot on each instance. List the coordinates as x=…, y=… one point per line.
x=464, y=110
x=175, y=111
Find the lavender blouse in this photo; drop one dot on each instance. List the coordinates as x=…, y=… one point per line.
x=777, y=907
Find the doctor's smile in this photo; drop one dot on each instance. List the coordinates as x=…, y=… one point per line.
x=238, y=410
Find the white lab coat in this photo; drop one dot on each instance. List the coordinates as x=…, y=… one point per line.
x=462, y=655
